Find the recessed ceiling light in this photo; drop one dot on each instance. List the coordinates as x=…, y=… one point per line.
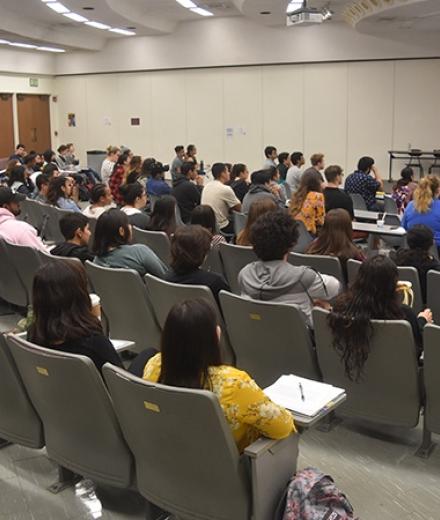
x=58, y=7
x=98, y=25
x=50, y=49
x=88, y=8
x=76, y=17
x=123, y=31
x=131, y=28
x=266, y=12
x=202, y=12
x=187, y=3
x=23, y=45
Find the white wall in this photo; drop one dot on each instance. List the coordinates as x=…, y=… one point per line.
x=17, y=61
x=239, y=41
x=344, y=110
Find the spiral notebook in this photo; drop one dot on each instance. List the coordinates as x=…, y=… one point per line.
x=303, y=396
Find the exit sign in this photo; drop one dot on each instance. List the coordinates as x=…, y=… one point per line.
x=33, y=82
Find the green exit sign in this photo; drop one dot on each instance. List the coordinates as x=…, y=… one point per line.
x=33, y=82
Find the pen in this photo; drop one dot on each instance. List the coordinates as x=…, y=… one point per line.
x=302, y=391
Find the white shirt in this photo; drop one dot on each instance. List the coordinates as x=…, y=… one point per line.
x=221, y=198
x=269, y=163
x=91, y=212
x=293, y=177
x=106, y=170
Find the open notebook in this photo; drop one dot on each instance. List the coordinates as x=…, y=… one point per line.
x=287, y=392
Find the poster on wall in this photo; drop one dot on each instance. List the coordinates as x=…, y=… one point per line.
x=71, y=119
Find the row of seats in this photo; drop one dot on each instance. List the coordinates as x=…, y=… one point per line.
x=123, y=434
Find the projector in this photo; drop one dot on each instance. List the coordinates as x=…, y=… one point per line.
x=305, y=17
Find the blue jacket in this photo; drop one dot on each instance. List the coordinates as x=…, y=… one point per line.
x=431, y=218
x=158, y=187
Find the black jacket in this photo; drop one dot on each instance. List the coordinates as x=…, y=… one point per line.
x=73, y=251
x=187, y=195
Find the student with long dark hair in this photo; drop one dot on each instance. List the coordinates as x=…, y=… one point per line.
x=101, y=200
x=190, y=358
x=61, y=193
x=240, y=180
x=204, y=216
x=404, y=188
x=189, y=247
x=113, y=249
x=20, y=182
x=119, y=176
x=134, y=199
x=336, y=239
x=373, y=295
x=163, y=217
x=63, y=317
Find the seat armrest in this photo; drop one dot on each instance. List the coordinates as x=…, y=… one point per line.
x=273, y=464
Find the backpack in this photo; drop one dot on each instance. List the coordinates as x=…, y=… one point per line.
x=311, y=495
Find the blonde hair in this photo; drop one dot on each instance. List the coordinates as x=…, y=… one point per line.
x=425, y=193
x=112, y=149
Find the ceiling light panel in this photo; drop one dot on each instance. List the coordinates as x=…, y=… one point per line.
x=187, y=3
x=201, y=12
x=76, y=17
x=50, y=49
x=122, y=31
x=98, y=25
x=58, y=7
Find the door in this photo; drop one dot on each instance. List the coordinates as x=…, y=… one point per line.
x=6, y=126
x=34, y=121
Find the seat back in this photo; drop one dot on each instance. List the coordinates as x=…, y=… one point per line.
x=251, y=328
x=410, y=274
x=358, y=201
x=388, y=391
x=155, y=240
x=12, y=288
x=433, y=291
x=126, y=305
x=27, y=261
x=52, y=230
x=35, y=212
x=186, y=459
x=431, y=363
x=239, y=221
x=80, y=426
x=288, y=190
x=390, y=205
x=234, y=258
x=322, y=263
x=353, y=267
x=213, y=262
x=304, y=238
x=164, y=295
x=19, y=422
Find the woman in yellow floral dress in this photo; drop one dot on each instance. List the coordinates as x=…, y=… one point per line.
x=308, y=204
x=190, y=358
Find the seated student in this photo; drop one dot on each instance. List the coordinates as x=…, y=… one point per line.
x=191, y=332
x=258, y=207
x=42, y=183
x=134, y=199
x=134, y=170
x=156, y=184
x=425, y=207
x=118, y=177
x=12, y=230
x=404, y=188
x=178, y=161
x=187, y=189
x=334, y=196
x=20, y=182
x=29, y=164
x=373, y=296
x=108, y=164
x=221, y=198
x=101, y=200
x=260, y=187
x=336, y=239
x=112, y=246
x=205, y=217
x=51, y=170
x=307, y=204
x=284, y=163
x=76, y=232
x=294, y=174
x=19, y=154
x=60, y=193
x=317, y=161
x=63, y=316
x=163, y=217
x=365, y=181
x=240, y=180
x=271, y=154
x=60, y=158
x=277, y=189
x=189, y=247
x=272, y=278
x=49, y=157
x=420, y=240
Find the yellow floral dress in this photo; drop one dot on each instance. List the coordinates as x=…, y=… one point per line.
x=312, y=212
x=249, y=412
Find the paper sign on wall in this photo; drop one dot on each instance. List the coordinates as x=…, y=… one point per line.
x=107, y=121
x=71, y=119
x=229, y=133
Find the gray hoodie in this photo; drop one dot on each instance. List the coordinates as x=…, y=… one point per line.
x=279, y=281
x=256, y=192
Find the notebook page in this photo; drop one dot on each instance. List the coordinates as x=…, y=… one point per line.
x=286, y=392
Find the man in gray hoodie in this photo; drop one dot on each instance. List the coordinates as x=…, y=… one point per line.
x=272, y=278
x=260, y=187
